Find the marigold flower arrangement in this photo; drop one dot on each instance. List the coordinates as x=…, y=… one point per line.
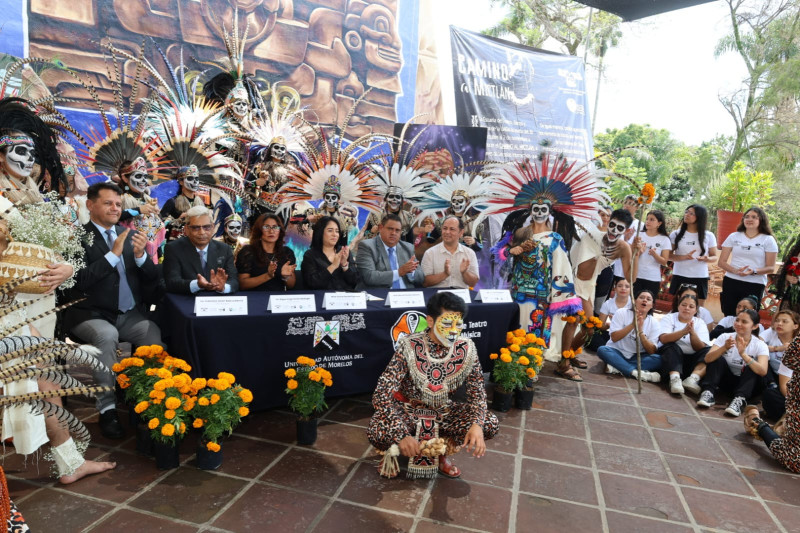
x=221, y=405
x=647, y=194
x=306, y=387
x=519, y=362
x=168, y=407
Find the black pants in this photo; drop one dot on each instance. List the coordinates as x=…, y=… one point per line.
x=719, y=376
x=674, y=360
x=642, y=284
x=733, y=290
x=774, y=403
x=600, y=338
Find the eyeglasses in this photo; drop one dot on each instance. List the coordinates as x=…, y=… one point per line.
x=271, y=228
x=205, y=227
x=687, y=286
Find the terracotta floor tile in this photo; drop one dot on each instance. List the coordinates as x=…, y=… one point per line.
x=557, y=423
x=707, y=475
x=630, y=461
x=560, y=404
x=352, y=412
x=458, y=503
x=547, y=516
x=781, y=488
x=245, y=457
x=495, y=469
x=51, y=510
x=512, y=418
x=727, y=429
x=675, y=422
x=127, y=520
x=642, y=497
x=263, y=508
x=700, y=447
x=340, y=439
x=506, y=440
x=788, y=515
x=37, y=469
x=556, y=385
x=345, y=518
x=399, y=494
x=661, y=399
x=608, y=394
x=189, y=494
x=271, y=425
x=614, y=412
x=625, y=523
x=117, y=485
x=298, y=466
x=558, y=481
x=556, y=448
x=596, y=374
x=19, y=489
x=424, y=526
x=622, y=434
x=729, y=513
x=753, y=454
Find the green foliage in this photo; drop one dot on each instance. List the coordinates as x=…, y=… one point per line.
x=306, y=387
x=785, y=224
x=742, y=188
x=220, y=408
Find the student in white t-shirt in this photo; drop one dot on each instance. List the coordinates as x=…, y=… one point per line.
x=747, y=257
x=702, y=313
x=620, y=352
x=654, y=248
x=725, y=325
x=785, y=326
x=692, y=249
x=684, y=341
x=621, y=300
x=736, y=362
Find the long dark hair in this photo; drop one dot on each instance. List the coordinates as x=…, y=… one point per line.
x=763, y=221
x=319, y=231
x=659, y=215
x=701, y=213
x=781, y=287
x=257, y=231
x=754, y=316
x=689, y=297
x=653, y=296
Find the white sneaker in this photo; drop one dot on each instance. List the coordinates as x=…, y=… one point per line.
x=692, y=384
x=736, y=406
x=652, y=377
x=611, y=370
x=706, y=399
x=675, y=385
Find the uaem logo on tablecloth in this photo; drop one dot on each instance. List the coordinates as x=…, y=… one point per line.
x=408, y=323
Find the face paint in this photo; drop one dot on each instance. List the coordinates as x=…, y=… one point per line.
x=540, y=212
x=192, y=179
x=458, y=203
x=331, y=200
x=394, y=199
x=448, y=327
x=615, y=230
x=20, y=157
x=233, y=229
x=278, y=152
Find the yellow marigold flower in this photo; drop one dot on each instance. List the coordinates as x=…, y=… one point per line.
x=505, y=358
x=227, y=377
x=189, y=405
x=324, y=373
x=163, y=373
x=519, y=332
x=244, y=411
x=153, y=424
x=203, y=401
x=247, y=396
x=182, y=428
x=524, y=361
x=151, y=371
x=141, y=407
x=530, y=372
x=579, y=350
x=214, y=398
x=291, y=384
x=290, y=373
x=221, y=384
x=493, y=356
x=198, y=423
x=156, y=401
x=137, y=361
x=116, y=367
x=514, y=348
x=530, y=351
x=530, y=338
x=519, y=340
x=568, y=354
x=504, y=351
x=155, y=349
x=160, y=384
x=172, y=403
x=124, y=381
x=169, y=414
x=540, y=342
x=143, y=351
x=213, y=447
x=198, y=383
x=327, y=382
x=313, y=376
x=168, y=430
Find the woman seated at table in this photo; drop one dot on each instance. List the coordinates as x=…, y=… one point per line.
x=684, y=342
x=266, y=264
x=620, y=352
x=328, y=264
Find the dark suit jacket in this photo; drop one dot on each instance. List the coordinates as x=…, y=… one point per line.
x=373, y=264
x=317, y=278
x=98, y=281
x=182, y=264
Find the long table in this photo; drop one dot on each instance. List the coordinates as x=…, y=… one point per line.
x=259, y=347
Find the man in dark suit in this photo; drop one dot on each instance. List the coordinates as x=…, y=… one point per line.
x=385, y=261
x=196, y=262
x=116, y=274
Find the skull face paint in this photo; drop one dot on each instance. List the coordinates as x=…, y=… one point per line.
x=137, y=177
x=191, y=179
x=458, y=203
x=448, y=327
x=394, y=199
x=278, y=152
x=233, y=229
x=615, y=230
x=540, y=212
x=331, y=200
x=20, y=155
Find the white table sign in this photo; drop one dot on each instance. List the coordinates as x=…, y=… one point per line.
x=337, y=301
x=220, y=305
x=494, y=296
x=401, y=299
x=464, y=293
x=292, y=303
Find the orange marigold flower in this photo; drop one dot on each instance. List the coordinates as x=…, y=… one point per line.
x=227, y=377
x=182, y=428
x=246, y=395
x=198, y=423
x=172, y=403
x=214, y=398
x=519, y=332
x=153, y=424
x=151, y=371
x=291, y=384
x=540, y=342
x=155, y=349
x=290, y=373
x=168, y=430
x=530, y=351
x=221, y=384
x=530, y=338
x=314, y=376
x=244, y=411
x=505, y=358
x=568, y=354
x=124, y=381
x=524, y=361
x=493, y=356
x=530, y=372
x=169, y=414
x=579, y=350
x=143, y=351
x=203, y=401
x=198, y=383
x=514, y=348
x=504, y=351
x=519, y=340
x=213, y=447
x=141, y=407
x=327, y=382
x=116, y=367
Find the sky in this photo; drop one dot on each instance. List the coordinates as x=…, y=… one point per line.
x=663, y=73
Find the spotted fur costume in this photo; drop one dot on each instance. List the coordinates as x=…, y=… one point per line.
x=787, y=448
x=424, y=374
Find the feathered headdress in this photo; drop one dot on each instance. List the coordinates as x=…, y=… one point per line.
x=438, y=197
x=282, y=123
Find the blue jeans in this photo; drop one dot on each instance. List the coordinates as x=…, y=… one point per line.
x=613, y=357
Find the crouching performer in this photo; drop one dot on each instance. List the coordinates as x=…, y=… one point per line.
x=414, y=413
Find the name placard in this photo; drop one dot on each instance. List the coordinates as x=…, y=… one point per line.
x=335, y=301
x=292, y=303
x=494, y=296
x=220, y=305
x=464, y=293
x=400, y=299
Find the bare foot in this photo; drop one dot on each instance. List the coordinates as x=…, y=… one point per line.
x=87, y=469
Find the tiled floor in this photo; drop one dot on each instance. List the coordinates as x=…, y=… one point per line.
x=589, y=457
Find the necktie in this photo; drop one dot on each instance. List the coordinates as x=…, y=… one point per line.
x=393, y=265
x=202, y=260
x=125, y=301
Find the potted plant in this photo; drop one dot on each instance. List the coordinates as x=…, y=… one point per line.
x=306, y=389
x=221, y=405
x=739, y=189
x=515, y=368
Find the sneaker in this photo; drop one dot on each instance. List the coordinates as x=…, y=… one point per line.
x=652, y=377
x=611, y=370
x=675, y=385
x=692, y=384
x=706, y=398
x=736, y=406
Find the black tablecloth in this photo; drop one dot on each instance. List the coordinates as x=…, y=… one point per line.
x=259, y=347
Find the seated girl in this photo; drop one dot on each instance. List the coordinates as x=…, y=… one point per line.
x=684, y=341
x=702, y=313
x=785, y=326
x=621, y=300
x=620, y=352
x=726, y=324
